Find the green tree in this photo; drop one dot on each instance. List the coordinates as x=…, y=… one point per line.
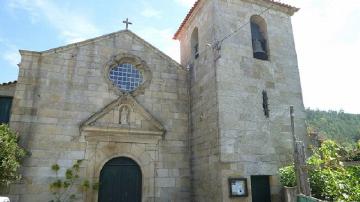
x=339, y=126
x=329, y=179
x=10, y=155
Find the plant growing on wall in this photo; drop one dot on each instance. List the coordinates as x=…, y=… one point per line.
x=10, y=155
x=65, y=188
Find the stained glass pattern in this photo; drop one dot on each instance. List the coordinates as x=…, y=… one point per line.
x=126, y=77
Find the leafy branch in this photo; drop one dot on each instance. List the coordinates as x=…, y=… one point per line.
x=11, y=154
x=62, y=189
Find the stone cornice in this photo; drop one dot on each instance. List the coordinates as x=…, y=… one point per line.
x=290, y=10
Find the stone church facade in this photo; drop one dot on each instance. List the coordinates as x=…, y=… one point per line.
x=182, y=132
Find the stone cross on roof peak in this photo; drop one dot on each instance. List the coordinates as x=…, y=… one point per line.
x=127, y=22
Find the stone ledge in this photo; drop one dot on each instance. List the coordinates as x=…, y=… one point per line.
x=122, y=131
x=139, y=137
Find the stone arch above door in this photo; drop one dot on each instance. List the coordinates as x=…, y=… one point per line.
x=97, y=154
x=120, y=180
x=107, y=137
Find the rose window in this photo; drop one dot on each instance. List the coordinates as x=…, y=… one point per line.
x=126, y=77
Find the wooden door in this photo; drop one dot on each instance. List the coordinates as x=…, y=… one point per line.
x=260, y=188
x=120, y=181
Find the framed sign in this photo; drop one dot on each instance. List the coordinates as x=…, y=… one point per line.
x=238, y=187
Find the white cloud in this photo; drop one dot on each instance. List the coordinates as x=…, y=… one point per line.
x=10, y=52
x=186, y=3
x=72, y=25
x=163, y=41
x=150, y=12
x=12, y=57
x=327, y=38
x=24, y=5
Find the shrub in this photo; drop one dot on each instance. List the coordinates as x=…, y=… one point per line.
x=287, y=176
x=329, y=179
x=353, y=153
x=10, y=155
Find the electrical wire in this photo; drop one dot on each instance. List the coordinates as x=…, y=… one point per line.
x=242, y=26
x=217, y=43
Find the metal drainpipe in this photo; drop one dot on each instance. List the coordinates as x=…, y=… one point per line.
x=190, y=126
x=157, y=157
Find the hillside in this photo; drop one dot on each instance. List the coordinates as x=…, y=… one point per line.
x=339, y=126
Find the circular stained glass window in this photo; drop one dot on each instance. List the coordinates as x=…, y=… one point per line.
x=126, y=77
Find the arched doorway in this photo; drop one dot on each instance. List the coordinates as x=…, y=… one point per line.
x=120, y=181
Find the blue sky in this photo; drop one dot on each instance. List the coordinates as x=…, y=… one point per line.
x=43, y=24
x=327, y=37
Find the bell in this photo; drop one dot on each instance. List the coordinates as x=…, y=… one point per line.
x=258, y=50
x=257, y=47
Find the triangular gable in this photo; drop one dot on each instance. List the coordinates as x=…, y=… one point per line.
x=123, y=116
x=104, y=37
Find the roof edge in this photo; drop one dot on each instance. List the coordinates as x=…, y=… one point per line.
x=82, y=43
x=28, y=52
x=186, y=19
x=88, y=41
x=291, y=11
x=159, y=51
x=8, y=83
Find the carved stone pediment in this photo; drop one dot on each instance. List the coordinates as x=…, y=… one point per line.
x=124, y=117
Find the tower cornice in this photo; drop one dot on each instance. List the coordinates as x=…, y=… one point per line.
x=290, y=10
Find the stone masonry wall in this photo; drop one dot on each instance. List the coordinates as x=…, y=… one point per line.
x=7, y=90
x=60, y=88
x=204, y=108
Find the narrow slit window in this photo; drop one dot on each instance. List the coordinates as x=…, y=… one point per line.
x=266, y=104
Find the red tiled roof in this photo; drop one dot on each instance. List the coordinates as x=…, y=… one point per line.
x=198, y=1
x=186, y=19
x=282, y=4
x=8, y=83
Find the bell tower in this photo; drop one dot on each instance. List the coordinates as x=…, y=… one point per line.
x=243, y=75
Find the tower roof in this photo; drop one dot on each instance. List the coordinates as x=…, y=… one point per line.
x=196, y=4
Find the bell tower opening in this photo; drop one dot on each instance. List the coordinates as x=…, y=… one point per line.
x=259, y=37
x=195, y=43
